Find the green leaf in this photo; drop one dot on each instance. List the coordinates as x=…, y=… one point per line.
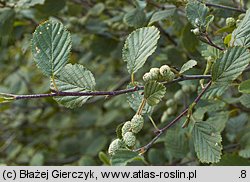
x=97, y=144
x=245, y=153
x=209, y=20
x=241, y=35
x=104, y=158
x=155, y=156
x=219, y=120
x=74, y=78
x=50, y=7
x=37, y=159
x=123, y=157
x=51, y=45
x=216, y=90
x=29, y=3
x=227, y=39
x=213, y=107
x=134, y=99
x=211, y=52
x=153, y=92
x=244, y=87
x=135, y=18
x=4, y=98
x=86, y=161
x=139, y=45
x=176, y=142
x=231, y=65
x=188, y=39
x=245, y=100
x=225, y=29
x=97, y=9
x=161, y=15
x=197, y=11
x=7, y=16
x=140, y=4
x=207, y=142
x=232, y=160
x=188, y=65
x=235, y=126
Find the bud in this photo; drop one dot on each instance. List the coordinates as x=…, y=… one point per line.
x=197, y=22
x=137, y=123
x=238, y=22
x=241, y=16
x=230, y=22
x=126, y=127
x=196, y=31
x=114, y=146
x=129, y=139
x=210, y=58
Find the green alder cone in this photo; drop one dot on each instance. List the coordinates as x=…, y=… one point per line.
x=164, y=117
x=170, y=102
x=147, y=77
x=114, y=146
x=171, y=111
x=166, y=73
x=137, y=123
x=129, y=139
x=126, y=128
x=230, y=22
x=155, y=73
x=164, y=70
x=186, y=88
x=196, y=31
x=170, y=77
x=178, y=95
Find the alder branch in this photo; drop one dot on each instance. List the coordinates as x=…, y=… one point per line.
x=100, y=93
x=169, y=125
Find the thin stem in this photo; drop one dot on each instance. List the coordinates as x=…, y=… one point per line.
x=101, y=93
x=225, y=7
x=133, y=78
x=54, y=82
x=161, y=131
x=155, y=4
x=153, y=123
x=207, y=4
x=188, y=77
x=140, y=109
x=210, y=42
